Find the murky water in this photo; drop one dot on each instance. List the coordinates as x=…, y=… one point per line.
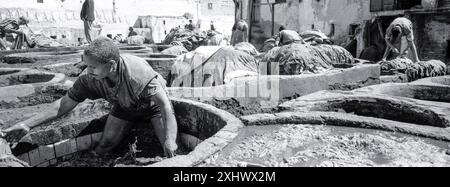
x=329, y=146
x=129, y=156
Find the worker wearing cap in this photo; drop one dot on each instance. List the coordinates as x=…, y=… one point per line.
x=12, y=26
x=400, y=27
x=137, y=93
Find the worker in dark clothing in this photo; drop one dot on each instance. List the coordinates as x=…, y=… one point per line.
x=132, y=32
x=12, y=26
x=190, y=26
x=137, y=93
x=88, y=17
x=213, y=28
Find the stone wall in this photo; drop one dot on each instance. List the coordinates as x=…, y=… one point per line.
x=159, y=30
x=221, y=13
x=303, y=15
x=432, y=35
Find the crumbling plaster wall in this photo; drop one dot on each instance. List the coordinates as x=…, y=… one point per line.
x=301, y=15
x=221, y=13
x=434, y=32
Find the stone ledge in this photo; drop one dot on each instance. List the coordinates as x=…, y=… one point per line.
x=43, y=57
x=286, y=86
x=420, y=91
x=347, y=120
x=384, y=106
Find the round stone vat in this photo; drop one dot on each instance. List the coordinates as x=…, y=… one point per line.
x=386, y=109
x=443, y=81
x=415, y=91
x=11, y=77
x=140, y=53
x=19, y=96
x=159, y=47
x=69, y=69
x=43, y=57
x=362, y=103
x=7, y=71
x=131, y=47
x=161, y=56
x=162, y=64
x=332, y=140
x=204, y=130
x=40, y=50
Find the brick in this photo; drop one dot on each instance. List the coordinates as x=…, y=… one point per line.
x=67, y=157
x=24, y=157
x=44, y=164
x=47, y=152
x=53, y=162
x=65, y=147
x=35, y=158
x=96, y=138
x=84, y=143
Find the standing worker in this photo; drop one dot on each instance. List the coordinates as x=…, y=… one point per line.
x=399, y=28
x=213, y=28
x=88, y=17
x=190, y=26
x=240, y=32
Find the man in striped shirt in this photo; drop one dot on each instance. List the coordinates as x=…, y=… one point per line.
x=12, y=26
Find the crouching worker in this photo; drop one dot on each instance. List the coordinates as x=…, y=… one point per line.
x=136, y=92
x=399, y=28
x=286, y=37
x=12, y=26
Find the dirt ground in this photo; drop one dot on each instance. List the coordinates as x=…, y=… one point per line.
x=325, y=146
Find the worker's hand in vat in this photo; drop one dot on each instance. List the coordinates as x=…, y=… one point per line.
x=169, y=148
x=20, y=128
x=1, y=132
x=167, y=131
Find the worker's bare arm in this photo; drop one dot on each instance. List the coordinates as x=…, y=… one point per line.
x=413, y=48
x=169, y=121
x=13, y=31
x=393, y=48
x=386, y=53
x=56, y=110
